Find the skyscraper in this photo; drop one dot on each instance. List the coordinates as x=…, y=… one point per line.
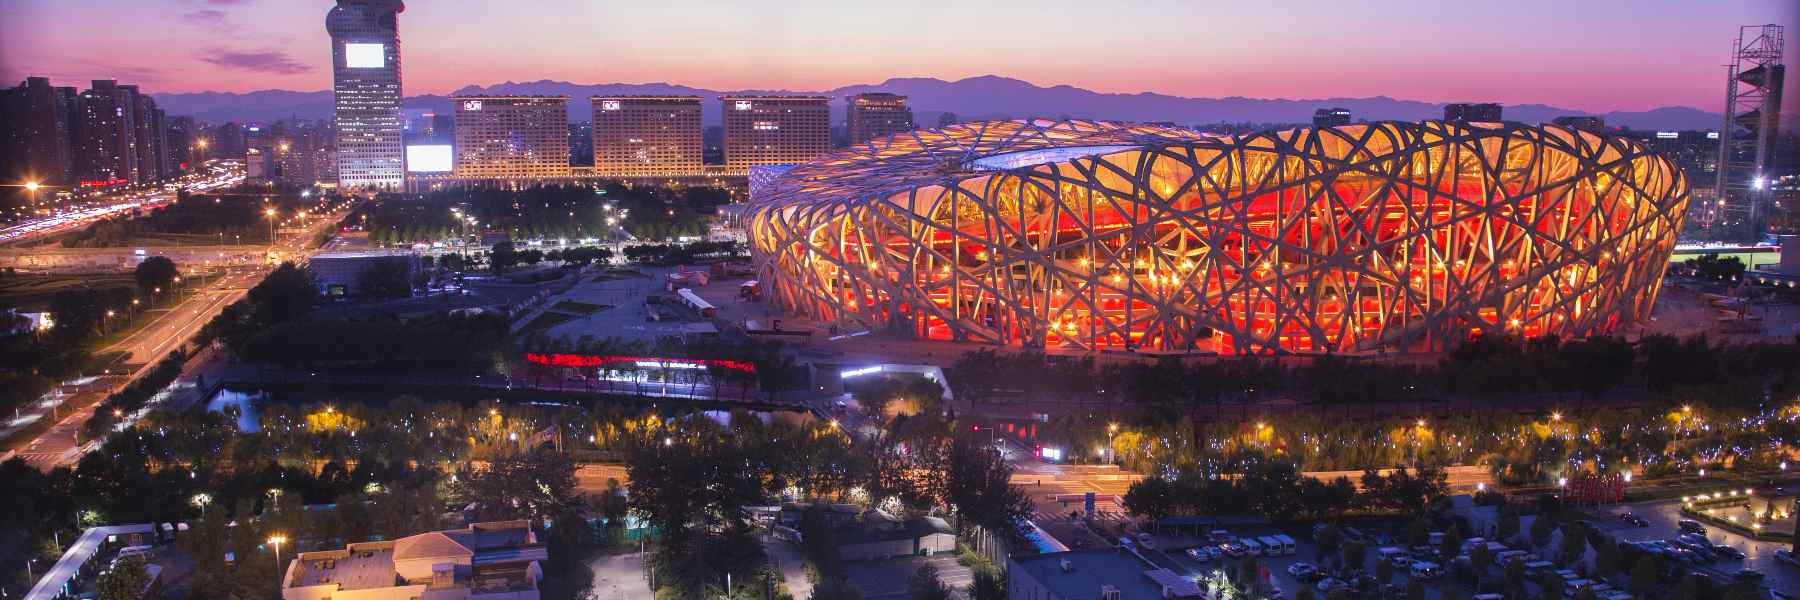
x=774, y=130
x=511, y=137
x=106, y=147
x=36, y=133
x=365, y=68
x=647, y=136
x=876, y=115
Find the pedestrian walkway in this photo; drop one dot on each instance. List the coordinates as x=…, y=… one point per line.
x=620, y=577
x=787, y=560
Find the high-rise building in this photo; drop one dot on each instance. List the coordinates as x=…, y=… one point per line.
x=647, y=136
x=774, y=130
x=106, y=147
x=36, y=133
x=365, y=68
x=1582, y=122
x=511, y=137
x=876, y=115
x=152, y=142
x=1472, y=113
x=1331, y=117
x=181, y=134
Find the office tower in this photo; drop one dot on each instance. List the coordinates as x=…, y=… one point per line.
x=774, y=130
x=1331, y=117
x=365, y=68
x=36, y=134
x=1472, y=113
x=1582, y=123
x=876, y=115
x=106, y=152
x=647, y=136
x=507, y=137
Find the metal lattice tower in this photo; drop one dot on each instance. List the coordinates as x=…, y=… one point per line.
x=1752, y=116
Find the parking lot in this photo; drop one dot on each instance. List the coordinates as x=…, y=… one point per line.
x=1171, y=554
x=1662, y=516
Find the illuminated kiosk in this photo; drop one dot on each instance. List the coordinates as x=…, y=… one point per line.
x=1106, y=236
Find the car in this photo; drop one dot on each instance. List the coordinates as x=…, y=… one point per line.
x=1125, y=542
x=1145, y=540
x=1690, y=526
x=1327, y=584
x=1634, y=520
x=1199, y=554
x=1297, y=568
x=1728, y=552
x=1311, y=576
x=1787, y=556
x=1749, y=575
x=1234, y=550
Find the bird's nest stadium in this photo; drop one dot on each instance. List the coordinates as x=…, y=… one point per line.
x=1357, y=239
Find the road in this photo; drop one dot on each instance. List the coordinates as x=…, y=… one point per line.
x=169, y=331
x=79, y=213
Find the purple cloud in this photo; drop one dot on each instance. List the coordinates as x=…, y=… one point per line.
x=262, y=61
x=207, y=19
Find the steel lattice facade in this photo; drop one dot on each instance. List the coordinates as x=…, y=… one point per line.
x=1351, y=239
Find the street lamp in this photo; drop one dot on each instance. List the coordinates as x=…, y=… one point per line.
x=277, y=541
x=201, y=500
x=270, y=213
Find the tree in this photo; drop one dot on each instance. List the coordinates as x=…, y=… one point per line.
x=286, y=295
x=155, y=272
x=125, y=581
x=1327, y=541
x=1574, y=544
x=1508, y=525
x=1480, y=558
x=1384, y=571
x=987, y=584
x=1452, y=543
x=1150, y=498
x=1415, y=589
x=1542, y=528
x=979, y=485
x=1418, y=533
x=386, y=278
x=535, y=484
x=924, y=584
x=502, y=257
x=1355, y=555
x=1551, y=585
x=1644, y=577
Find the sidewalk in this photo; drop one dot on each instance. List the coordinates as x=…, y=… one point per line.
x=786, y=559
x=620, y=577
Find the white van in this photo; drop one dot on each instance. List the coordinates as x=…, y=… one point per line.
x=1271, y=546
x=1287, y=543
x=1251, y=546
x=1393, y=555
x=1426, y=570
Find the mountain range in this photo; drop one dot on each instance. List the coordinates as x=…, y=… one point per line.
x=982, y=97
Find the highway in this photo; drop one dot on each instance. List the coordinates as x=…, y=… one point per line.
x=77, y=213
x=170, y=330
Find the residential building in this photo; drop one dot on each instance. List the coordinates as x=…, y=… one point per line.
x=365, y=68
x=876, y=115
x=106, y=147
x=511, y=137
x=36, y=133
x=484, y=561
x=647, y=136
x=1108, y=573
x=1583, y=123
x=774, y=130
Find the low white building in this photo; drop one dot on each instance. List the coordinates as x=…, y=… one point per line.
x=484, y=561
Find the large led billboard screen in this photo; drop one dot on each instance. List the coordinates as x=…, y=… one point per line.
x=365, y=56
x=428, y=158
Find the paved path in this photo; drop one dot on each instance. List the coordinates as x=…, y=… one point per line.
x=787, y=560
x=620, y=577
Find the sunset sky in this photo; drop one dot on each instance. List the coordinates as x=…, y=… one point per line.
x=1593, y=55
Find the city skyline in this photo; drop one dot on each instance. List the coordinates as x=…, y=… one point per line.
x=1590, y=57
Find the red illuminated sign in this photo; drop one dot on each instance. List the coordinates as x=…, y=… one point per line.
x=589, y=360
x=102, y=182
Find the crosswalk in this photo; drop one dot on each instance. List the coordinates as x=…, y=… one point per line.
x=1100, y=514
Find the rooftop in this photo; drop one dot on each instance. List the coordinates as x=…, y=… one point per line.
x=1091, y=570
x=357, y=567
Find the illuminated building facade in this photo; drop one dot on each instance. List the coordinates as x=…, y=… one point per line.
x=876, y=115
x=774, y=130
x=511, y=137
x=647, y=136
x=1101, y=236
x=365, y=69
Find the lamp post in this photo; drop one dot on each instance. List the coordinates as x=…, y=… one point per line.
x=270, y=213
x=277, y=541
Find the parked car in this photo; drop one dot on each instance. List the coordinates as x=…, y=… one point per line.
x=1327, y=584
x=1690, y=526
x=1200, y=554
x=1311, y=576
x=1787, y=556
x=1145, y=541
x=1728, y=552
x=1749, y=575
x=1297, y=568
x=1634, y=520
